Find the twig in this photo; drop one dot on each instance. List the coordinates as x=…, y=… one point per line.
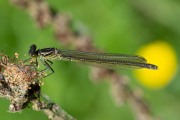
x=52, y=110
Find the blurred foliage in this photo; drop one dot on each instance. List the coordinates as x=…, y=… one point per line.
x=117, y=26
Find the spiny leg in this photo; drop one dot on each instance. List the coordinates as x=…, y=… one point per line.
x=50, y=62
x=32, y=62
x=27, y=60
x=47, y=66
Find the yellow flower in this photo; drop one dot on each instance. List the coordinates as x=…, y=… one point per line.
x=163, y=55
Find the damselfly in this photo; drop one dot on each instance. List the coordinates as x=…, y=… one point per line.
x=102, y=60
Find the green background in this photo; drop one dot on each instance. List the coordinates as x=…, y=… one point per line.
x=120, y=26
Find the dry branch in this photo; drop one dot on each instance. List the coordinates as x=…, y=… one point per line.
x=21, y=84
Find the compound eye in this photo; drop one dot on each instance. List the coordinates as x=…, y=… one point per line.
x=32, y=50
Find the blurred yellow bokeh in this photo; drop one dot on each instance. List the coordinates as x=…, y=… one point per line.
x=163, y=55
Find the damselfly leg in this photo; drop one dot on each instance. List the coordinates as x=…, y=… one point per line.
x=48, y=67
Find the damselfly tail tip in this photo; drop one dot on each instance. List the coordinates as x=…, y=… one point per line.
x=153, y=67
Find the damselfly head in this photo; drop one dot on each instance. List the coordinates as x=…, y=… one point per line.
x=32, y=51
